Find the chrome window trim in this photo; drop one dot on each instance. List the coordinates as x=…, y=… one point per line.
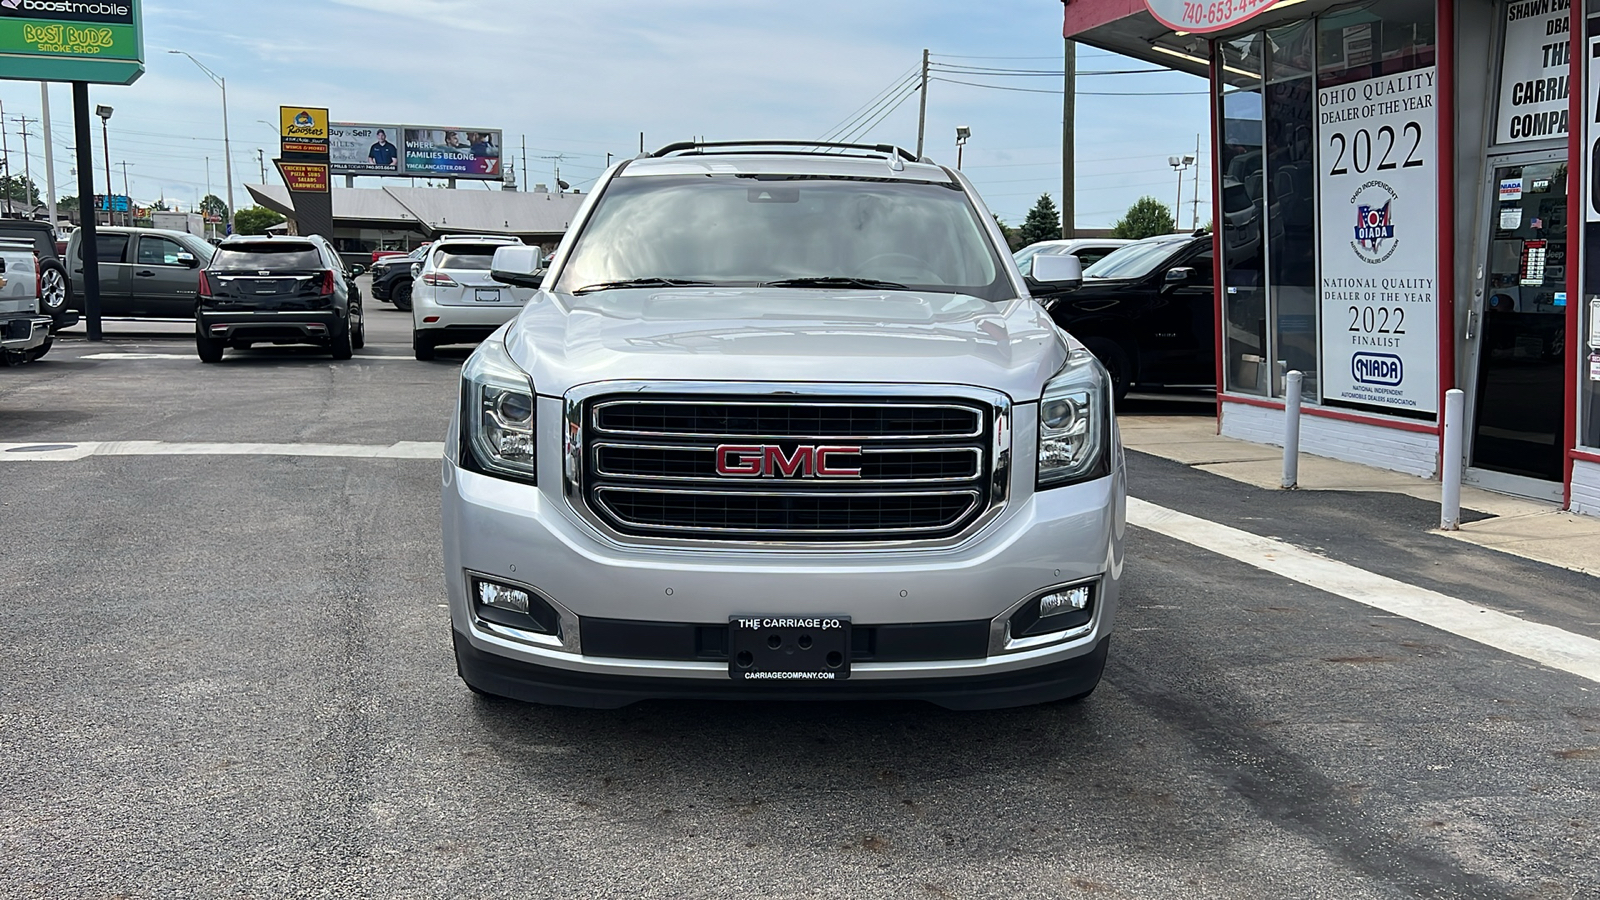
x=573, y=450
x=977, y=470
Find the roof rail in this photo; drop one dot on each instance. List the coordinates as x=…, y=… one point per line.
x=710, y=148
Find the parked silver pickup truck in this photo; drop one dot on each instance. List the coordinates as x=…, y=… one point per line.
x=782, y=421
x=24, y=333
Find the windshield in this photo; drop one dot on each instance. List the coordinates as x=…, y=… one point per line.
x=466, y=256
x=259, y=257
x=744, y=231
x=1135, y=260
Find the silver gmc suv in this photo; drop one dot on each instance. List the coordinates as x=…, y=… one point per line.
x=782, y=422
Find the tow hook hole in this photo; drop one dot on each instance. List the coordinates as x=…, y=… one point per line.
x=774, y=641
x=835, y=659
x=745, y=659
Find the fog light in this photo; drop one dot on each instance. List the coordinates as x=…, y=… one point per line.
x=501, y=597
x=1072, y=600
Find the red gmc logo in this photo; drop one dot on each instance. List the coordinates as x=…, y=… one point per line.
x=769, y=461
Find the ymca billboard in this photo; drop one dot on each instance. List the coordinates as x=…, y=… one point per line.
x=452, y=152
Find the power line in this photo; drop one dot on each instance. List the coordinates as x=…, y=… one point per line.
x=908, y=80
x=997, y=87
x=898, y=103
x=979, y=70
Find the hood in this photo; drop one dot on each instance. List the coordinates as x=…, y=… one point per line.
x=785, y=334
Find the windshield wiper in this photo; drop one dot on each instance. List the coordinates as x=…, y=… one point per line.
x=641, y=282
x=837, y=281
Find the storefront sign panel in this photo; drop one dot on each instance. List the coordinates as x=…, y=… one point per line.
x=98, y=41
x=1534, y=72
x=307, y=178
x=1592, y=133
x=1201, y=16
x=1378, y=223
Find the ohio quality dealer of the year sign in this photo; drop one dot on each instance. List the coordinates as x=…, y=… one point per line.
x=1379, y=247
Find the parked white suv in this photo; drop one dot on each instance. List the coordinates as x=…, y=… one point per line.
x=453, y=299
x=783, y=423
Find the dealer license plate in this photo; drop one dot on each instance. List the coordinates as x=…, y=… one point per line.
x=490, y=296
x=781, y=648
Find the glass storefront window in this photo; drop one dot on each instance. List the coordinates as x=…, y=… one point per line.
x=1291, y=181
x=1373, y=39
x=1241, y=165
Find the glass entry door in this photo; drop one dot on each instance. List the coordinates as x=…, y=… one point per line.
x=1517, y=425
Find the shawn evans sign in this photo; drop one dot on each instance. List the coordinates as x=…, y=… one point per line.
x=98, y=41
x=1200, y=16
x=1534, y=67
x=1378, y=223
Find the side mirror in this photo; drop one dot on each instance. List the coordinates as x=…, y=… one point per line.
x=1061, y=272
x=187, y=259
x=517, y=266
x=1179, y=275
x=357, y=270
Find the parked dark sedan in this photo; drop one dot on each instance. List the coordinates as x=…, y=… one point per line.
x=291, y=290
x=1147, y=311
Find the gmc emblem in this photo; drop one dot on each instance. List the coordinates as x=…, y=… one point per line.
x=769, y=461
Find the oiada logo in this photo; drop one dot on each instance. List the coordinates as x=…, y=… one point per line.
x=770, y=461
x=1374, y=206
x=1383, y=369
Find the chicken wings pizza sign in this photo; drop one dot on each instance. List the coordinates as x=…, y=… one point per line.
x=1201, y=16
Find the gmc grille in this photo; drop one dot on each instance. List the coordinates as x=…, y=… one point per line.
x=924, y=470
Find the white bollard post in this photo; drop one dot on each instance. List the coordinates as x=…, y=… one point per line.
x=1291, y=431
x=1455, y=402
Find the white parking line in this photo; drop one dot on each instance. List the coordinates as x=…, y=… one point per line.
x=1545, y=644
x=43, y=451
x=193, y=358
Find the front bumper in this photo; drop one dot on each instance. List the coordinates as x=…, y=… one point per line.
x=286, y=326
x=530, y=536
x=20, y=334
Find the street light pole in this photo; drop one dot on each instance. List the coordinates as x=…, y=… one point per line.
x=104, y=112
x=227, y=146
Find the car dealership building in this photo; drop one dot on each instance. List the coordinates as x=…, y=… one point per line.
x=1394, y=182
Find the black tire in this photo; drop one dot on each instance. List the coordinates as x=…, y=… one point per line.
x=1112, y=356
x=341, y=346
x=422, y=345
x=358, y=327
x=210, y=349
x=39, y=351
x=400, y=296
x=55, y=290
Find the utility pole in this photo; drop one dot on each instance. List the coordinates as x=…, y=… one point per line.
x=1069, y=164
x=49, y=154
x=261, y=160
x=1194, y=220
x=525, y=173
x=125, y=192
x=922, y=104
x=27, y=166
x=5, y=156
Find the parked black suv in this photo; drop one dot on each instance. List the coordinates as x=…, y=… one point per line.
x=391, y=278
x=1148, y=312
x=292, y=290
x=55, y=288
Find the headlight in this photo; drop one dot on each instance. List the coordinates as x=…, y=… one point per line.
x=497, y=414
x=1074, y=423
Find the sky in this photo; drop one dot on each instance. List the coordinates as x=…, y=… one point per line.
x=578, y=79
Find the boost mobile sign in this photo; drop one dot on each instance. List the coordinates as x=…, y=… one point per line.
x=1378, y=222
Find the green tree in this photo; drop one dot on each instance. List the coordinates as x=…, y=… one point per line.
x=67, y=204
x=212, y=205
x=255, y=220
x=1013, y=240
x=1146, y=218
x=18, y=189
x=1042, y=224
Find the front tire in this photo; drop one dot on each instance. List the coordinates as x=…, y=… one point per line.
x=422, y=345
x=1115, y=359
x=400, y=296
x=209, y=348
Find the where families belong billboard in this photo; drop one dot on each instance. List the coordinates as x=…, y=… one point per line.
x=365, y=149
x=452, y=152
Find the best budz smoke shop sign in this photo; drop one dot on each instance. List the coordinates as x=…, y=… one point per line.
x=1534, y=65
x=96, y=41
x=1200, y=16
x=1379, y=218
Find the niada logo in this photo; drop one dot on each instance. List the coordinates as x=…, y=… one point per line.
x=1375, y=235
x=1383, y=369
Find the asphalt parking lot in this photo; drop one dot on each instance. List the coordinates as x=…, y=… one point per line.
x=229, y=675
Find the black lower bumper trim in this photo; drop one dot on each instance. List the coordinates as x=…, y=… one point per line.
x=493, y=674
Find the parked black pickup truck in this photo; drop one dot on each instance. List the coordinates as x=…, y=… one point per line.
x=1147, y=311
